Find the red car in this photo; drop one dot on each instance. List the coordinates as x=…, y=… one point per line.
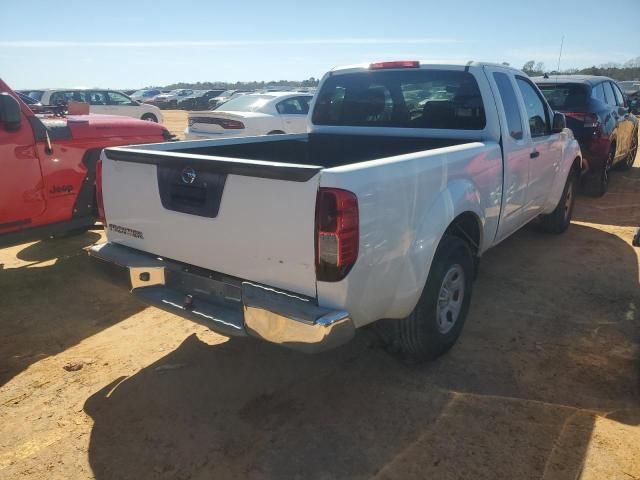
x=48, y=167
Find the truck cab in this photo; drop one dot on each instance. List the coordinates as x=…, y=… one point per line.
x=48, y=166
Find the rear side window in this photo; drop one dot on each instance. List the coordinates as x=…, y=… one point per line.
x=536, y=111
x=597, y=93
x=618, y=94
x=62, y=98
x=510, y=103
x=97, y=98
x=565, y=98
x=294, y=106
x=608, y=93
x=403, y=99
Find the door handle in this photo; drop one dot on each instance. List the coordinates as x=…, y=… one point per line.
x=534, y=154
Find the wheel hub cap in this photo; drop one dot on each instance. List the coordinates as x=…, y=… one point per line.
x=450, y=299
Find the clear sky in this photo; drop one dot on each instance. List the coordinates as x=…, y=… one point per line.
x=130, y=44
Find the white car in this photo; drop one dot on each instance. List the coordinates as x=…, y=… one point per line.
x=252, y=114
x=173, y=96
x=107, y=102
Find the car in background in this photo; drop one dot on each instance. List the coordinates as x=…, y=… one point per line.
x=252, y=114
x=35, y=94
x=145, y=94
x=631, y=89
x=170, y=99
x=108, y=102
x=199, y=100
x=225, y=97
x=598, y=114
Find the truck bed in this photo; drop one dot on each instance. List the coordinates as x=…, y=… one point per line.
x=323, y=150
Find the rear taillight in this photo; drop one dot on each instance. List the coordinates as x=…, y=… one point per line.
x=223, y=122
x=589, y=120
x=337, y=233
x=99, y=201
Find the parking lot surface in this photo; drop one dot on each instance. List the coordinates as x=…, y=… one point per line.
x=542, y=384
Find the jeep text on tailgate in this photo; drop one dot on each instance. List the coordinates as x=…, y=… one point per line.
x=408, y=174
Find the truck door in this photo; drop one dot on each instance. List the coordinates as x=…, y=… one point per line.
x=516, y=150
x=21, y=195
x=546, y=147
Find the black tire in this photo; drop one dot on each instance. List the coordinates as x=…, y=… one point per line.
x=559, y=220
x=149, y=117
x=276, y=132
x=627, y=163
x=598, y=184
x=423, y=335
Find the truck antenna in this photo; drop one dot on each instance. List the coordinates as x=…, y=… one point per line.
x=559, y=57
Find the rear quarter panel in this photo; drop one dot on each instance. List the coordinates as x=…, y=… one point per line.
x=405, y=205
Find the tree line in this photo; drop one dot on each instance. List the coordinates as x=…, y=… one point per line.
x=629, y=70
x=310, y=82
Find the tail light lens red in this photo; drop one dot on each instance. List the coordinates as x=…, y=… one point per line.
x=590, y=120
x=337, y=233
x=99, y=200
x=225, y=123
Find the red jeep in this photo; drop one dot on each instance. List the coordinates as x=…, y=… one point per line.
x=48, y=167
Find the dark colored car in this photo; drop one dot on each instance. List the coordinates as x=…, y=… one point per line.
x=631, y=88
x=599, y=115
x=199, y=100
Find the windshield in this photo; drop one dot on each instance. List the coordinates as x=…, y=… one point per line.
x=403, y=99
x=246, y=103
x=565, y=97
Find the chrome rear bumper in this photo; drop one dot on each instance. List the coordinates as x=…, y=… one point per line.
x=226, y=304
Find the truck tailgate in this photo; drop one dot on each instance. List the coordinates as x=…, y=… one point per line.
x=249, y=219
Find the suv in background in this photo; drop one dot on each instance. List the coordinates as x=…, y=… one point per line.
x=599, y=116
x=106, y=102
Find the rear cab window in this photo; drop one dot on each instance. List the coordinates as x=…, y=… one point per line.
x=420, y=98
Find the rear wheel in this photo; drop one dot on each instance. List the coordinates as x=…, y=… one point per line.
x=599, y=183
x=276, y=132
x=437, y=320
x=149, y=117
x=559, y=220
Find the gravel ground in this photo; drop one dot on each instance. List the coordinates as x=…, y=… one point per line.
x=543, y=383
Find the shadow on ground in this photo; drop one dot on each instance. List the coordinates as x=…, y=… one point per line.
x=550, y=344
x=54, y=302
x=621, y=204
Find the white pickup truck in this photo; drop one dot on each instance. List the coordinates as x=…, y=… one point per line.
x=408, y=174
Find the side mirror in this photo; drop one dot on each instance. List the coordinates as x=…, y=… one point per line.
x=559, y=122
x=10, y=113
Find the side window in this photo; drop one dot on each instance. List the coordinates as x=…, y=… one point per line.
x=609, y=95
x=97, y=98
x=536, y=111
x=618, y=94
x=62, y=98
x=116, y=98
x=293, y=106
x=597, y=93
x=510, y=103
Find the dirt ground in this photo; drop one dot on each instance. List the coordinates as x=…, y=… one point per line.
x=543, y=383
